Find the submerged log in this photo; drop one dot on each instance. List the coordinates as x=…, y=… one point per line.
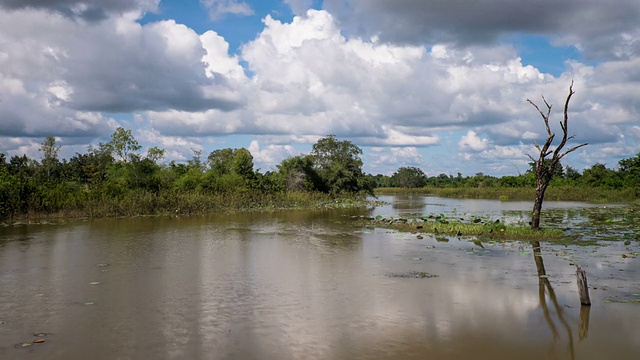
x=583, y=288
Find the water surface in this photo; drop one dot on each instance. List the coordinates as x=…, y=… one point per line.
x=304, y=285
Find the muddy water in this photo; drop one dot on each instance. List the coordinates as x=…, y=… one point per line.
x=304, y=285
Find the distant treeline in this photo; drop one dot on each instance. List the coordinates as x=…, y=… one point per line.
x=115, y=179
x=597, y=176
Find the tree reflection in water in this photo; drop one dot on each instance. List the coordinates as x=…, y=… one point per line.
x=545, y=289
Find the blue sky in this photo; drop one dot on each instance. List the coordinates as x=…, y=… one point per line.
x=427, y=83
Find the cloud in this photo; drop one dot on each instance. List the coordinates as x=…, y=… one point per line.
x=299, y=7
x=390, y=159
x=316, y=75
x=220, y=8
x=61, y=81
x=472, y=141
x=88, y=10
x=176, y=148
x=309, y=80
x=601, y=29
x=27, y=114
x=267, y=157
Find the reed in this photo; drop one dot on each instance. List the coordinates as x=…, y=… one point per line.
x=175, y=202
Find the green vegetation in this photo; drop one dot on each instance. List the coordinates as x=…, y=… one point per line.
x=442, y=226
x=557, y=193
x=116, y=179
x=595, y=184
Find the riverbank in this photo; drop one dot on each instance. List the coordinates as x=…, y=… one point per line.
x=144, y=203
x=560, y=193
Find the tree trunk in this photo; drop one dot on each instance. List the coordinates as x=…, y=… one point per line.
x=537, y=206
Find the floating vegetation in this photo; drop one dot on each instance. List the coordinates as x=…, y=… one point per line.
x=632, y=299
x=411, y=274
x=442, y=226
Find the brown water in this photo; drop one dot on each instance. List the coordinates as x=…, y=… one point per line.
x=302, y=285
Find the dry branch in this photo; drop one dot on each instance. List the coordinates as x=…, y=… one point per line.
x=544, y=172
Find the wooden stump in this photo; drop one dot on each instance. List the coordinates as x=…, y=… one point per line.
x=583, y=288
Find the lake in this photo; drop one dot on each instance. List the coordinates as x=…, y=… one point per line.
x=311, y=285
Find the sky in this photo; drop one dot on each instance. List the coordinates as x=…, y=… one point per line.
x=437, y=84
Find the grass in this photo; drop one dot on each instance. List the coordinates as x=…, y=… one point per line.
x=145, y=203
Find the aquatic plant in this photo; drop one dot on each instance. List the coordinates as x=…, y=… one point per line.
x=441, y=225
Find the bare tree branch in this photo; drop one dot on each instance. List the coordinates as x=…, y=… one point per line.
x=545, y=170
x=572, y=150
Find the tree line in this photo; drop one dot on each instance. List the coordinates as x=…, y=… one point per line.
x=115, y=178
x=597, y=176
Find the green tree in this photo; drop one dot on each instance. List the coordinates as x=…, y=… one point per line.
x=630, y=170
x=242, y=163
x=230, y=170
x=155, y=154
x=380, y=181
x=409, y=177
x=227, y=161
x=220, y=161
x=123, y=144
x=90, y=168
x=50, y=160
x=599, y=176
x=571, y=175
x=339, y=165
x=298, y=173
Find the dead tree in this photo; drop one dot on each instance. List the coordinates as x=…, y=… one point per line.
x=544, y=169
